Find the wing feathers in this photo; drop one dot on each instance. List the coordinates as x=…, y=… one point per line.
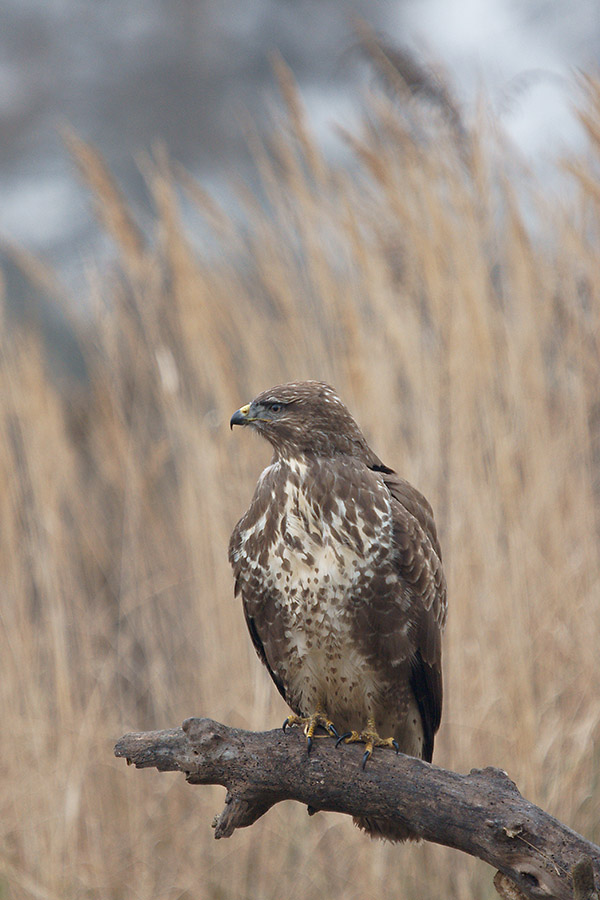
x=426, y=682
x=419, y=563
x=260, y=649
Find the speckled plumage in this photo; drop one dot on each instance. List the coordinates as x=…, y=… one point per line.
x=339, y=568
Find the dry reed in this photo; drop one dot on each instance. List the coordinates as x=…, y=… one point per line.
x=467, y=349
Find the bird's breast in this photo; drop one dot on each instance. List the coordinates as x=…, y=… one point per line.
x=318, y=551
x=319, y=545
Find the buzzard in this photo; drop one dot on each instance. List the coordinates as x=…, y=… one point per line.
x=340, y=571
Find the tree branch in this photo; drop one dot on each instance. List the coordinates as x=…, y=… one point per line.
x=482, y=813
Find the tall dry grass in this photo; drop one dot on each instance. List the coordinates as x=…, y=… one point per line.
x=467, y=349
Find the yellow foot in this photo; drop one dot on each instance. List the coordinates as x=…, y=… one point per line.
x=369, y=737
x=311, y=723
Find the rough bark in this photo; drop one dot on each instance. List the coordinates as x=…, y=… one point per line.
x=482, y=813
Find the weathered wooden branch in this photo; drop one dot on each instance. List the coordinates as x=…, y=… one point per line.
x=481, y=813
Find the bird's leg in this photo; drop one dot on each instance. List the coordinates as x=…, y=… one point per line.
x=311, y=723
x=369, y=737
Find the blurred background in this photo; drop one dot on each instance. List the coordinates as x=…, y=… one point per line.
x=189, y=217
x=192, y=73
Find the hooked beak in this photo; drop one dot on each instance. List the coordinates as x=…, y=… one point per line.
x=240, y=416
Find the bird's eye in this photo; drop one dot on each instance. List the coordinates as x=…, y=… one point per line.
x=276, y=407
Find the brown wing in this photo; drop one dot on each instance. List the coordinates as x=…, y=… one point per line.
x=418, y=561
x=260, y=649
x=413, y=501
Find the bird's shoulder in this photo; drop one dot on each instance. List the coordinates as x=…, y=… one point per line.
x=416, y=548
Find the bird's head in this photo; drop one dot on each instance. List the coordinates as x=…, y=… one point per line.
x=303, y=418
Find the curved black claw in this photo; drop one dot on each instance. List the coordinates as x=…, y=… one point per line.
x=343, y=737
x=285, y=725
x=365, y=759
x=332, y=731
x=396, y=747
x=309, y=743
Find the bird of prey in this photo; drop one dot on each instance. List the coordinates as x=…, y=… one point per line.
x=340, y=571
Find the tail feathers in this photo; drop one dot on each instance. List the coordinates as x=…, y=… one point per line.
x=385, y=830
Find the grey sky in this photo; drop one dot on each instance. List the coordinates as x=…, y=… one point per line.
x=126, y=74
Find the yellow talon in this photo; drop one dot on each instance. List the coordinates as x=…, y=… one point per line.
x=311, y=723
x=370, y=738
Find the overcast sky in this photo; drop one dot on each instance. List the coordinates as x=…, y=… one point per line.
x=124, y=74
